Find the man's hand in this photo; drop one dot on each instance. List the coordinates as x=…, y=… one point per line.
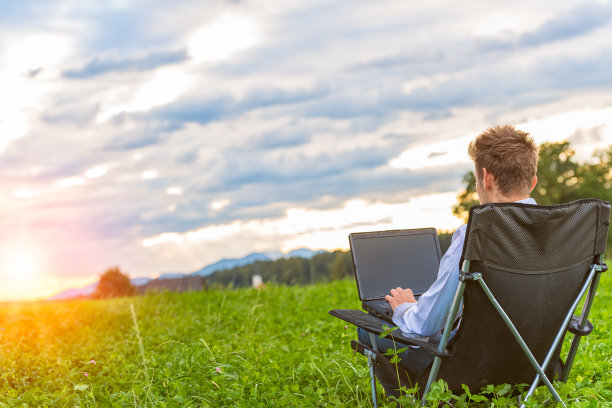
x=399, y=296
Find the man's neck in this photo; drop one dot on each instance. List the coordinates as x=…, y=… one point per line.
x=497, y=197
x=515, y=198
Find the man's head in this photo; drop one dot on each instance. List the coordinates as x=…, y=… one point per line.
x=506, y=160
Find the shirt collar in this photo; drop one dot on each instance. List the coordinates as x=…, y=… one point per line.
x=528, y=200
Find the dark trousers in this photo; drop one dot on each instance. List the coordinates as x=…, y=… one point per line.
x=413, y=362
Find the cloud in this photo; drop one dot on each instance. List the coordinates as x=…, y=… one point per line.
x=280, y=138
x=314, y=227
x=223, y=105
x=571, y=72
x=578, y=21
x=100, y=66
x=147, y=134
x=226, y=36
x=573, y=23
x=80, y=114
x=424, y=57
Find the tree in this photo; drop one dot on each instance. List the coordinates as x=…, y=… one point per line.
x=114, y=283
x=467, y=198
x=560, y=179
x=342, y=265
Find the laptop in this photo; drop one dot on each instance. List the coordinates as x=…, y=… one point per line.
x=384, y=260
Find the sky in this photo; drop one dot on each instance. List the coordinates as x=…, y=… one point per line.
x=162, y=136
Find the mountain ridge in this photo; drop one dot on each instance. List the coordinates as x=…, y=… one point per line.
x=223, y=264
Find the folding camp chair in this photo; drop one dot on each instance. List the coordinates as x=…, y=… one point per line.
x=525, y=269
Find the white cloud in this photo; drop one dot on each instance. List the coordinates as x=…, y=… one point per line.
x=174, y=190
x=24, y=193
x=303, y=227
x=13, y=125
x=164, y=86
x=32, y=54
x=508, y=22
x=445, y=153
x=71, y=182
x=149, y=175
x=423, y=82
x=563, y=125
x=223, y=38
x=161, y=239
x=96, y=172
x=220, y=204
x=38, y=51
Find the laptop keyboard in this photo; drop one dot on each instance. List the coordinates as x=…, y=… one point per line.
x=383, y=305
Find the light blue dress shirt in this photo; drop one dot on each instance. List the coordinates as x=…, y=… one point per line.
x=426, y=318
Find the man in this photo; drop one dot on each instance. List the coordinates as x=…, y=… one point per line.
x=505, y=161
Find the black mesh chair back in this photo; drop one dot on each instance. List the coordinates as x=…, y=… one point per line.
x=534, y=260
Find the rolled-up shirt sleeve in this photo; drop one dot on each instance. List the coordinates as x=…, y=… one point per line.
x=427, y=317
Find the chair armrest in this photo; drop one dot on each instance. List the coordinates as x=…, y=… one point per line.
x=377, y=326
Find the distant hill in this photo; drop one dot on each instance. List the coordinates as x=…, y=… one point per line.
x=296, y=253
x=249, y=259
x=231, y=263
x=170, y=275
x=87, y=291
x=221, y=265
x=73, y=293
x=140, y=281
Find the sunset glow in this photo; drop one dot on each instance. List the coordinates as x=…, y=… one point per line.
x=19, y=270
x=21, y=267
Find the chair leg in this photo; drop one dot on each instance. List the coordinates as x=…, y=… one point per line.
x=371, y=357
x=445, y=335
x=433, y=373
x=584, y=315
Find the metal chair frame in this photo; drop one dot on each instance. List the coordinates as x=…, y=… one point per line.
x=590, y=284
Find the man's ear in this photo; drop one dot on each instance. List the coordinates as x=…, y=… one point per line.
x=533, y=183
x=488, y=179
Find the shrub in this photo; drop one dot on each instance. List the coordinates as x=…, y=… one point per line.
x=114, y=283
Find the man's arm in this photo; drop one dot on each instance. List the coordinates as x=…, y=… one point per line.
x=427, y=317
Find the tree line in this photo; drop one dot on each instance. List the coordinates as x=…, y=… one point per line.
x=322, y=267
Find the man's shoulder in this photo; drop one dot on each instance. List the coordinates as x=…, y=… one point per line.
x=460, y=232
x=456, y=246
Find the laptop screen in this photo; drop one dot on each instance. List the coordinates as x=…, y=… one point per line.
x=384, y=260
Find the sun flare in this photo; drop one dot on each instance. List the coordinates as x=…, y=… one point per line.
x=21, y=266
x=19, y=271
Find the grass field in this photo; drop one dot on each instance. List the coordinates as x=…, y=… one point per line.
x=275, y=347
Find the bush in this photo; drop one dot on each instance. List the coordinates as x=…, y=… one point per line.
x=114, y=283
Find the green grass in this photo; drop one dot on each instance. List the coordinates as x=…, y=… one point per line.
x=274, y=347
